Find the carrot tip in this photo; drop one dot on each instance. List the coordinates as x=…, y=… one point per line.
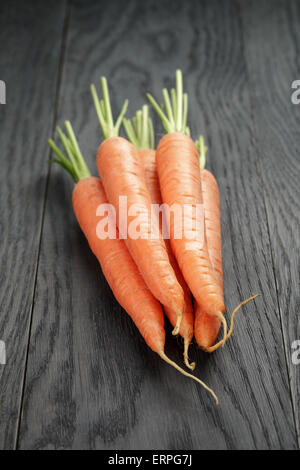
x=221, y=343
x=222, y=319
x=182, y=371
x=189, y=365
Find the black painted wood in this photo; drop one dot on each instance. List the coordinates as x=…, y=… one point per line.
x=272, y=68
x=30, y=39
x=91, y=381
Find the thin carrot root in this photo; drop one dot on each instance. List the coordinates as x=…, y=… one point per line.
x=182, y=371
x=175, y=332
x=221, y=343
x=222, y=319
x=190, y=365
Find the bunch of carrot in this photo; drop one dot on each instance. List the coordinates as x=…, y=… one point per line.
x=151, y=275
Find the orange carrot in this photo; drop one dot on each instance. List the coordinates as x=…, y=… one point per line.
x=180, y=183
x=207, y=327
x=117, y=265
x=122, y=174
x=142, y=137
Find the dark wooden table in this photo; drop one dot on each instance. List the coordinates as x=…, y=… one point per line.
x=78, y=375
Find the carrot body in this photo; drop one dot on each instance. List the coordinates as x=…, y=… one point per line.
x=211, y=201
x=207, y=327
x=180, y=183
x=118, y=266
x=187, y=324
x=122, y=174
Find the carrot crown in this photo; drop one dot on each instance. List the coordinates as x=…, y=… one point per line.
x=200, y=144
x=175, y=117
x=72, y=160
x=139, y=130
x=104, y=113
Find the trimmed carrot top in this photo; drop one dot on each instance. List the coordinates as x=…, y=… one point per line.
x=104, y=113
x=175, y=117
x=140, y=131
x=202, y=148
x=74, y=162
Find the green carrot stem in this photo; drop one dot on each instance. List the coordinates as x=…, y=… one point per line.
x=151, y=134
x=179, y=96
x=104, y=112
x=140, y=129
x=174, y=118
x=185, y=111
x=73, y=161
x=200, y=144
x=168, y=105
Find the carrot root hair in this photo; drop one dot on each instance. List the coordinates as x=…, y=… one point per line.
x=221, y=343
x=189, y=365
x=182, y=371
x=175, y=332
x=222, y=319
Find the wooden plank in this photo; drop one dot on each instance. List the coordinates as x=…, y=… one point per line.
x=275, y=27
x=92, y=383
x=30, y=38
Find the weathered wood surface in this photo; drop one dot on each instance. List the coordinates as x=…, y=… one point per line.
x=271, y=69
x=90, y=380
x=30, y=38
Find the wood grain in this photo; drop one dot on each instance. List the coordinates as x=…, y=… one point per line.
x=91, y=381
x=30, y=38
x=275, y=25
